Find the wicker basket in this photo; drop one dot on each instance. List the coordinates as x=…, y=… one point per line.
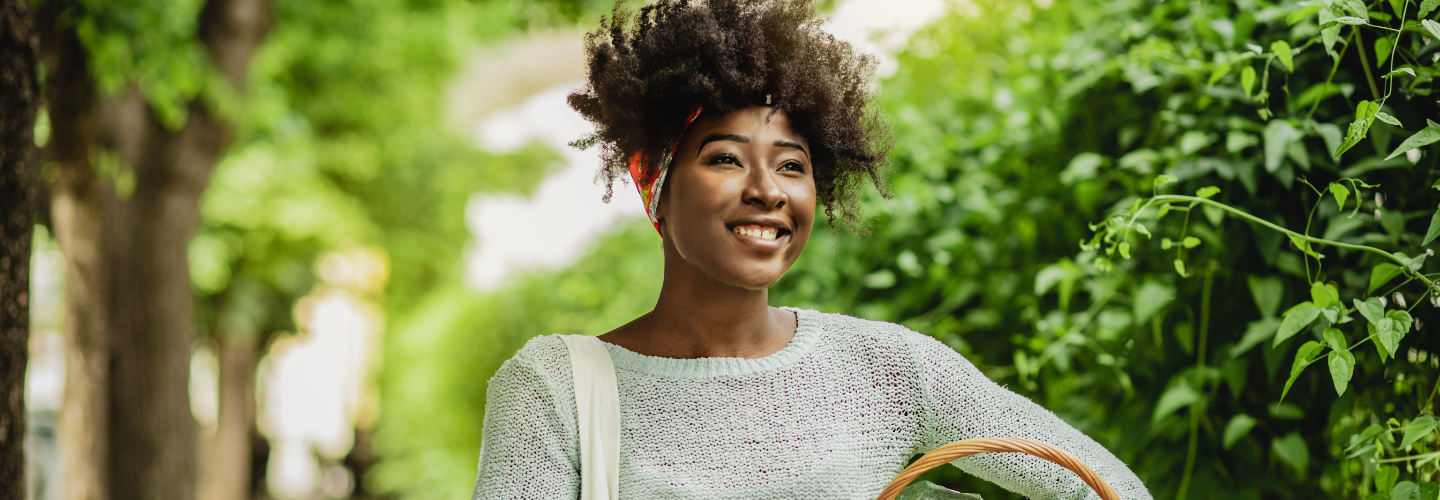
x=959, y=449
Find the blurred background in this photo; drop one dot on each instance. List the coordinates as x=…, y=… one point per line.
x=282, y=245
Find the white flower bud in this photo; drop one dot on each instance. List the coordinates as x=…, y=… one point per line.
x=1413, y=155
x=1379, y=200
x=1399, y=300
x=1377, y=214
x=1383, y=302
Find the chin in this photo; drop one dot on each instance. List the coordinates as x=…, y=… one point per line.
x=755, y=279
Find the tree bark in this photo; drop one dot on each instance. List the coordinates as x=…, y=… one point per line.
x=227, y=474
x=126, y=429
x=19, y=97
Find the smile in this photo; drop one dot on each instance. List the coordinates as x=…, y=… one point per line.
x=757, y=231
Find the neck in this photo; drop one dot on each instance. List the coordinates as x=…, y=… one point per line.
x=699, y=317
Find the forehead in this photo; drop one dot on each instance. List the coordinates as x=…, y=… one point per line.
x=758, y=121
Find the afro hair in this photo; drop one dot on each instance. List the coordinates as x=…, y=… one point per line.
x=647, y=71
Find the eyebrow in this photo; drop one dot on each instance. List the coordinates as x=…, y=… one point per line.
x=721, y=137
x=746, y=140
x=788, y=144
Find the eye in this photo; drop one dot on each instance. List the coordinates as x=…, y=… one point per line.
x=726, y=159
x=793, y=166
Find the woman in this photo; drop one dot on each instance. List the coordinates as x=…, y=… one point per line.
x=734, y=118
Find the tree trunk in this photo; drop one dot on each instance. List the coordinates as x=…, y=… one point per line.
x=227, y=474
x=126, y=429
x=19, y=96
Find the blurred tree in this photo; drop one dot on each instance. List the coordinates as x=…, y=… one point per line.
x=131, y=90
x=342, y=145
x=19, y=98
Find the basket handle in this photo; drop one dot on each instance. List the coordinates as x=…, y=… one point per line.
x=960, y=449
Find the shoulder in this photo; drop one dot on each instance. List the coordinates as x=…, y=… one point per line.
x=865, y=332
x=543, y=360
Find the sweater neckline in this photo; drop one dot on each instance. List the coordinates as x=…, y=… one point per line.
x=807, y=332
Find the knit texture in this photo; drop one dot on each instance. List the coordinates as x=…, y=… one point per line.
x=836, y=414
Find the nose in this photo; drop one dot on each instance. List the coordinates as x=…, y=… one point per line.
x=762, y=189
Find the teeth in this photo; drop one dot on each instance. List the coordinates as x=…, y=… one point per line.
x=762, y=232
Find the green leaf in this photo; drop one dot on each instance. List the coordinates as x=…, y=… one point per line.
x=1342, y=367
x=1296, y=17
x=1207, y=192
x=1176, y=397
x=1366, y=109
x=1354, y=134
x=1402, y=319
x=1238, y=427
x=1267, y=293
x=881, y=279
x=1331, y=35
x=1180, y=268
x=1424, y=137
x=1405, y=490
x=1125, y=250
x=1382, y=50
x=1307, y=352
x=1401, y=71
x=1383, y=273
x=1140, y=228
x=1190, y=242
x=1385, y=475
x=1220, y=71
x=1341, y=193
x=1286, y=411
x=1083, y=166
x=1347, y=20
x=1431, y=26
x=1335, y=339
x=1434, y=228
x=1389, y=333
x=1278, y=136
x=1385, y=117
x=1291, y=449
x=1417, y=429
x=1427, y=6
x=1319, y=295
x=1193, y=141
x=1425, y=491
x=1150, y=297
x=1247, y=79
x=1371, y=308
x=1282, y=52
x=1379, y=346
x=1303, y=245
x=1162, y=180
x=1295, y=320
x=1256, y=332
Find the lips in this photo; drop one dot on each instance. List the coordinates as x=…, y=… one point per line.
x=764, y=234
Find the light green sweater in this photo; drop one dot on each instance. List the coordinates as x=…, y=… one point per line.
x=834, y=415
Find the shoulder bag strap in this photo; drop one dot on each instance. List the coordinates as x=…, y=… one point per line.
x=597, y=405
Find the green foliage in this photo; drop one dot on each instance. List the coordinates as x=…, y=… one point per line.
x=1125, y=96
x=445, y=350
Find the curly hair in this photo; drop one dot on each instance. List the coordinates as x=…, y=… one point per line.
x=647, y=71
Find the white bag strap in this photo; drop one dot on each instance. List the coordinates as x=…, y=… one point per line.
x=597, y=405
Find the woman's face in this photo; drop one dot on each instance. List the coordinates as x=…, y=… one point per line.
x=740, y=197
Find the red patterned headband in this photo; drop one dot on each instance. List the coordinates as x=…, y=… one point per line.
x=649, y=180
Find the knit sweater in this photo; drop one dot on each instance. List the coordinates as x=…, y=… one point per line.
x=836, y=414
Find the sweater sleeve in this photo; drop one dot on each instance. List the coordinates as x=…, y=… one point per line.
x=962, y=403
x=527, y=447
